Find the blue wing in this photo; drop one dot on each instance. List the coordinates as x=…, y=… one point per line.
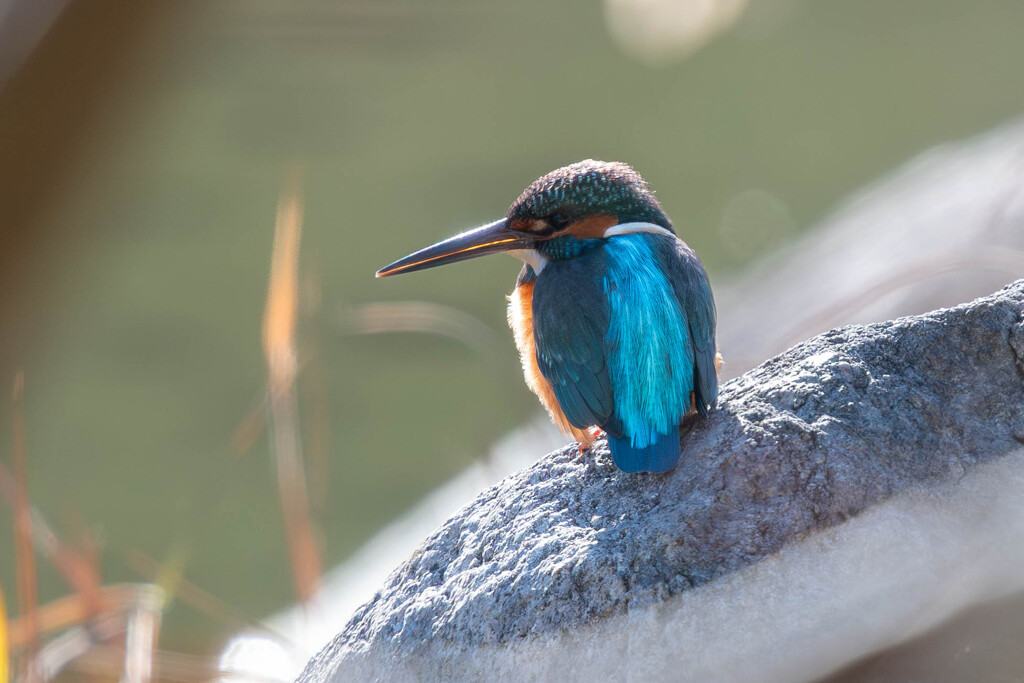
x=693, y=291
x=654, y=355
x=570, y=323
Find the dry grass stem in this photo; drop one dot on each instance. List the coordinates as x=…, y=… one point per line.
x=424, y=317
x=169, y=577
x=5, y=659
x=24, y=551
x=279, y=330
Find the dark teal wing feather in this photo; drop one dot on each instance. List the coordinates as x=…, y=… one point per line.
x=693, y=291
x=570, y=323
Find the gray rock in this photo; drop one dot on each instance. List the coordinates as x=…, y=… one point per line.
x=806, y=441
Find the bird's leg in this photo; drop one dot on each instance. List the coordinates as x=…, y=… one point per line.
x=590, y=435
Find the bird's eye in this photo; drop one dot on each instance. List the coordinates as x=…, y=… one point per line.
x=558, y=221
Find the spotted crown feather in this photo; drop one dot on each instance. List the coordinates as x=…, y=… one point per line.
x=589, y=188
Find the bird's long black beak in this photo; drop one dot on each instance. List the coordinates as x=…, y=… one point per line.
x=487, y=239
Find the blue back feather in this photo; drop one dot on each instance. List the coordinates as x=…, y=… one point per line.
x=650, y=349
x=625, y=332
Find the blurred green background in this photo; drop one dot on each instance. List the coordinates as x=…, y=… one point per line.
x=143, y=149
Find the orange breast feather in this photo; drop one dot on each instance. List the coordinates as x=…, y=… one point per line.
x=520, y=319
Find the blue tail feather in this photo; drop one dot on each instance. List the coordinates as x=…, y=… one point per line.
x=660, y=456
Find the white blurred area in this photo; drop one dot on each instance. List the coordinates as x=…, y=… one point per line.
x=658, y=31
x=256, y=658
x=945, y=228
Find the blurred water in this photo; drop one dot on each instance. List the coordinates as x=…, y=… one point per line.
x=134, y=288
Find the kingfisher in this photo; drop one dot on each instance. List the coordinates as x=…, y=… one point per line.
x=612, y=313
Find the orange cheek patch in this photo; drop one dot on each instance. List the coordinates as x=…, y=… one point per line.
x=528, y=225
x=593, y=227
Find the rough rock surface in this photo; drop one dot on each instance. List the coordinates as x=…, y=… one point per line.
x=804, y=442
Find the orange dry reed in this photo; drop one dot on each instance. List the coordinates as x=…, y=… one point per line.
x=279, y=329
x=24, y=552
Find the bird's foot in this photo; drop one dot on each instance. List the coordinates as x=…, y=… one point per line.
x=585, y=438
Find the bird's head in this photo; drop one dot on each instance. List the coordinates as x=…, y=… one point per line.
x=557, y=217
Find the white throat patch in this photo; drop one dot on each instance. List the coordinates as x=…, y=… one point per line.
x=531, y=257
